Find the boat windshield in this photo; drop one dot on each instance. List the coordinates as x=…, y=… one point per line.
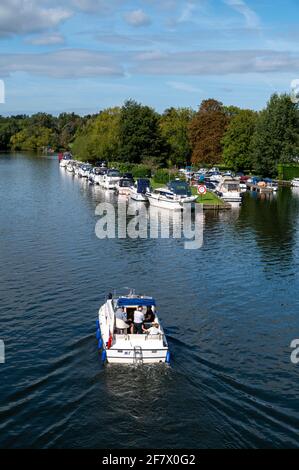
x=125, y=183
x=113, y=173
x=180, y=188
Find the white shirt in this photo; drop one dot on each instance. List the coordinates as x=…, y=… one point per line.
x=138, y=316
x=153, y=330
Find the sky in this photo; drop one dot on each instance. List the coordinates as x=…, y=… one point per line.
x=85, y=55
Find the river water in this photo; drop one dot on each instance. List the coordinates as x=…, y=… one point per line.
x=230, y=311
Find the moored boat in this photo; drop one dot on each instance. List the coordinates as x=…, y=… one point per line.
x=124, y=186
x=111, y=179
x=175, y=196
x=229, y=189
x=140, y=189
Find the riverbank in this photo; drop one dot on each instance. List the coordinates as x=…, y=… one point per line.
x=209, y=200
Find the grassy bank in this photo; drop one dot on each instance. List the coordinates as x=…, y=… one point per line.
x=208, y=198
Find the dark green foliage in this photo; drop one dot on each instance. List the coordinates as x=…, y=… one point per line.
x=276, y=138
x=288, y=171
x=140, y=135
x=163, y=176
x=237, y=139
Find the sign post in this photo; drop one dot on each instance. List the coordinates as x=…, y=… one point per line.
x=202, y=190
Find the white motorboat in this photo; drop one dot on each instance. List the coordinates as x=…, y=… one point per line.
x=70, y=166
x=94, y=172
x=120, y=343
x=229, y=189
x=174, y=196
x=140, y=189
x=111, y=179
x=99, y=177
x=77, y=168
x=124, y=186
x=85, y=170
x=295, y=183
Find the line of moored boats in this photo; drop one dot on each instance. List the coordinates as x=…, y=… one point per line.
x=174, y=196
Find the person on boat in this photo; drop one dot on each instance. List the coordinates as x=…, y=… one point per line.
x=121, y=314
x=153, y=330
x=138, y=321
x=149, y=316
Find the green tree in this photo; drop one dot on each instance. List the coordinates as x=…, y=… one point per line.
x=34, y=139
x=140, y=134
x=276, y=138
x=237, y=140
x=99, y=138
x=206, y=131
x=174, y=124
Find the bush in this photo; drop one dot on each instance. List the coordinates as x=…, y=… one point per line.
x=163, y=176
x=288, y=171
x=141, y=171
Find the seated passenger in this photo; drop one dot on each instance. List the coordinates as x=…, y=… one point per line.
x=138, y=321
x=153, y=330
x=149, y=316
x=121, y=314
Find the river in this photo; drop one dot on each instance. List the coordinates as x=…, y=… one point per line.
x=230, y=311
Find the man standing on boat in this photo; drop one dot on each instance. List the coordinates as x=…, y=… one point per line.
x=138, y=321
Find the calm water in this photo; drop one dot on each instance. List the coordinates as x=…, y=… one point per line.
x=230, y=311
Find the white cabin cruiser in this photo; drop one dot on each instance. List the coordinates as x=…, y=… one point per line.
x=229, y=189
x=118, y=337
x=85, y=170
x=64, y=161
x=94, y=172
x=99, y=177
x=70, y=166
x=140, y=189
x=124, y=186
x=295, y=183
x=111, y=179
x=174, y=196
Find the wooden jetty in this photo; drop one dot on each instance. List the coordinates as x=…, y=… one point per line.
x=258, y=189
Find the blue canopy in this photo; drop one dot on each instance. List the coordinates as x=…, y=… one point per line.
x=127, y=301
x=143, y=184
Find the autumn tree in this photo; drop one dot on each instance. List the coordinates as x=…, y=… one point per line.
x=206, y=131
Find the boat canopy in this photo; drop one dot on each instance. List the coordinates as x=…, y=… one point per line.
x=180, y=188
x=143, y=185
x=132, y=301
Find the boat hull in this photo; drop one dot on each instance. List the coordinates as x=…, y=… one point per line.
x=113, y=357
x=138, y=197
x=170, y=204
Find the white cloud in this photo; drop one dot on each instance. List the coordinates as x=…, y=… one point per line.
x=187, y=13
x=47, y=39
x=67, y=63
x=27, y=16
x=94, y=6
x=251, y=18
x=137, y=18
x=217, y=62
x=182, y=86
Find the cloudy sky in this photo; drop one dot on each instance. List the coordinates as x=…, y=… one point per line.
x=84, y=55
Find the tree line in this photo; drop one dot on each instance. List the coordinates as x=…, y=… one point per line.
x=240, y=139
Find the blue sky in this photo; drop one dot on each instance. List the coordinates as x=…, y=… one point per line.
x=85, y=55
